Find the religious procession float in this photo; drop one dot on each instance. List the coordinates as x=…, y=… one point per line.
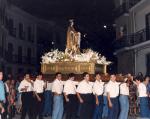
x=72, y=60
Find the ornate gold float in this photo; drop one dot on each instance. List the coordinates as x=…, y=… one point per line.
x=72, y=60
x=75, y=67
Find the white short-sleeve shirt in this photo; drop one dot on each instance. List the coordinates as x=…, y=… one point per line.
x=98, y=87
x=24, y=83
x=124, y=89
x=113, y=89
x=70, y=87
x=57, y=86
x=85, y=87
x=39, y=86
x=49, y=87
x=142, y=90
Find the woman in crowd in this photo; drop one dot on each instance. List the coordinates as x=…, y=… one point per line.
x=123, y=99
x=143, y=98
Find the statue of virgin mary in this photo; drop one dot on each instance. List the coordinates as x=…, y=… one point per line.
x=73, y=39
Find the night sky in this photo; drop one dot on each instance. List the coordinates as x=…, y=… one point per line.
x=90, y=18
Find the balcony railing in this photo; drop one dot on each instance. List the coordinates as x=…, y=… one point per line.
x=16, y=59
x=124, y=8
x=132, y=39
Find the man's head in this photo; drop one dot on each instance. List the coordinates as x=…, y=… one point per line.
x=71, y=76
x=86, y=76
x=40, y=76
x=58, y=75
x=113, y=77
x=1, y=75
x=27, y=76
x=97, y=76
x=138, y=79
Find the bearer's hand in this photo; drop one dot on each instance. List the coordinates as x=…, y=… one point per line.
x=110, y=105
x=39, y=99
x=67, y=99
x=81, y=101
x=97, y=102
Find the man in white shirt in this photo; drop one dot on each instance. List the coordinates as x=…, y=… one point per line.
x=85, y=97
x=26, y=88
x=98, y=89
x=57, y=90
x=70, y=97
x=112, y=90
x=39, y=86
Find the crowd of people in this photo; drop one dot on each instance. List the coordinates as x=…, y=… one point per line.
x=73, y=99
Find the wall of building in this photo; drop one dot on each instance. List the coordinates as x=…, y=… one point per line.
x=138, y=15
x=27, y=21
x=126, y=62
x=141, y=59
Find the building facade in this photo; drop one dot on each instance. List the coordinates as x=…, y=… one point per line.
x=133, y=36
x=3, y=31
x=20, y=45
x=24, y=38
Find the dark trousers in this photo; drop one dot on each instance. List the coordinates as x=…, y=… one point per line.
x=98, y=108
x=27, y=105
x=71, y=107
x=39, y=106
x=113, y=112
x=87, y=107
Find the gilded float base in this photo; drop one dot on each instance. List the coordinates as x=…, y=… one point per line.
x=73, y=67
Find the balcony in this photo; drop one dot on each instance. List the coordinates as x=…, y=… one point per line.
x=132, y=39
x=124, y=8
x=16, y=59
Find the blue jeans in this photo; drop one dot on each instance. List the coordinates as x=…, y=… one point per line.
x=98, y=108
x=114, y=111
x=58, y=107
x=47, y=103
x=144, y=107
x=105, y=107
x=124, y=107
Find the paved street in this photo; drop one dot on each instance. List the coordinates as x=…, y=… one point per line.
x=18, y=117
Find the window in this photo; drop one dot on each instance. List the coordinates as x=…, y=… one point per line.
x=21, y=33
x=148, y=26
x=30, y=34
x=19, y=54
x=29, y=52
x=148, y=64
x=11, y=29
x=9, y=53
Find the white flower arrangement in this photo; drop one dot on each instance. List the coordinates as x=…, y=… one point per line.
x=87, y=56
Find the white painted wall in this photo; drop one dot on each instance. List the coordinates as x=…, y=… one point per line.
x=141, y=59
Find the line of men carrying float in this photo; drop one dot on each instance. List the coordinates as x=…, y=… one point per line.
x=83, y=100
